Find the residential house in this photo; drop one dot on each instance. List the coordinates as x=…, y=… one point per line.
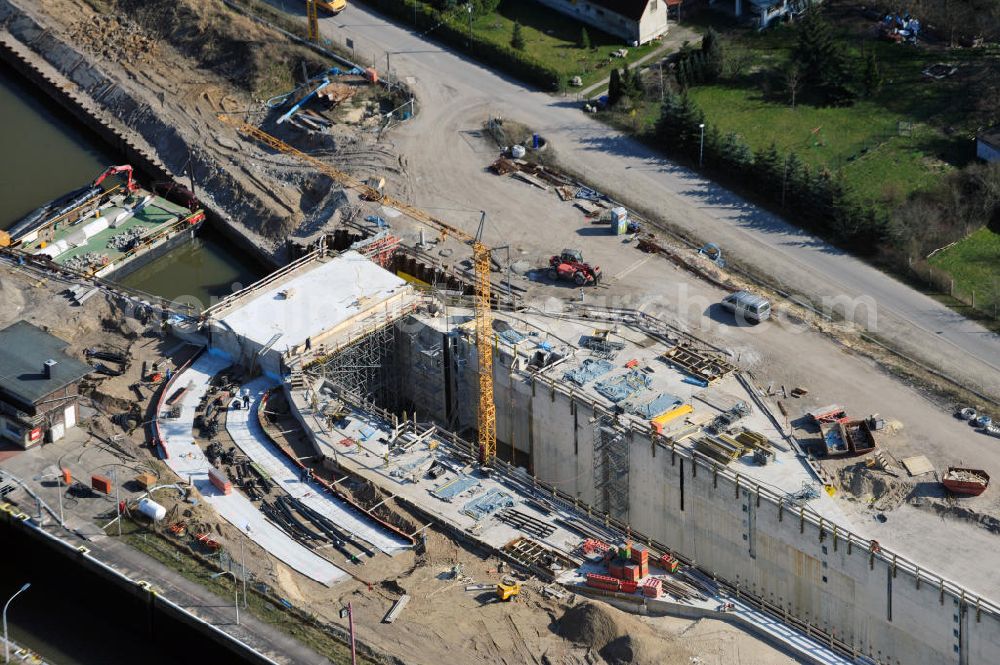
x=38, y=386
x=764, y=12
x=635, y=21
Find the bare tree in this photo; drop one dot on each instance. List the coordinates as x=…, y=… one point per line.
x=793, y=81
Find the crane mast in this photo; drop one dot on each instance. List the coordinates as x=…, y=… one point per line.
x=487, y=419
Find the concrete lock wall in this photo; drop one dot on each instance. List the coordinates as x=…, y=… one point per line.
x=811, y=569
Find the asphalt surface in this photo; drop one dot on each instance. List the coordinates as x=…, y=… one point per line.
x=206, y=605
x=447, y=85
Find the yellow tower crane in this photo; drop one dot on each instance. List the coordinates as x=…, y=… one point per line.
x=487, y=420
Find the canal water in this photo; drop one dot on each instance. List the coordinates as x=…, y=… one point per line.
x=48, y=153
x=72, y=616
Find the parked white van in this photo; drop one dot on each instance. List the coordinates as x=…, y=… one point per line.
x=747, y=306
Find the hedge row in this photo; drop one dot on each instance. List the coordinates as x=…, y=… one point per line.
x=816, y=199
x=502, y=57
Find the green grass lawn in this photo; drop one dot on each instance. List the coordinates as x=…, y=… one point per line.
x=974, y=263
x=895, y=142
x=551, y=38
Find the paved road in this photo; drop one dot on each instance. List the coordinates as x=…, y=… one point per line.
x=203, y=603
x=448, y=86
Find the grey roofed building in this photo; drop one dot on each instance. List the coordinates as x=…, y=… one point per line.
x=24, y=350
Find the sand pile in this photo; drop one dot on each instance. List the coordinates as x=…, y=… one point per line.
x=880, y=489
x=618, y=637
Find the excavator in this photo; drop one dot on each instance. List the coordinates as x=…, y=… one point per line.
x=130, y=185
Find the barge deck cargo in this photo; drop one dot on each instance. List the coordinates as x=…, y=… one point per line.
x=108, y=232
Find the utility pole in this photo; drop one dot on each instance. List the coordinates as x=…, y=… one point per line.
x=661, y=79
x=349, y=613
x=469, y=7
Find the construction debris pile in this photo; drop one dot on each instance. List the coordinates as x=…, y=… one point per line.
x=114, y=37
x=126, y=240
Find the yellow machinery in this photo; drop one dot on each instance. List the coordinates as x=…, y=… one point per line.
x=484, y=349
x=313, y=20
x=312, y=15
x=508, y=589
x=487, y=421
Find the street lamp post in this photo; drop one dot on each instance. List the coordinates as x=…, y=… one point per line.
x=243, y=563
x=6, y=641
x=236, y=591
x=701, y=148
x=469, y=7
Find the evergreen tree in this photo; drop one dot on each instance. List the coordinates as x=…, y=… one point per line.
x=682, y=74
x=517, y=38
x=872, y=79
x=735, y=156
x=791, y=180
x=614, y=87
x=713, y=146
x=632, y=86
x=769, y=168
x=711, y=47
x=688, y=118
x=667, y=126
x=584, y=41
x=822, y=60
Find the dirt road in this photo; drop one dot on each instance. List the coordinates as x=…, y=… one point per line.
x=457, y=95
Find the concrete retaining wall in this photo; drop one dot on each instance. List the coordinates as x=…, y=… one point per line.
x=88, y=94
x=806, y=568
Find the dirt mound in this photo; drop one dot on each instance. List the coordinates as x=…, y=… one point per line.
x=618, y=637
x=591, y=624
x=629, y=649
x=947, y=508
x=249, y=55
x=115, y=38
x=882, y=490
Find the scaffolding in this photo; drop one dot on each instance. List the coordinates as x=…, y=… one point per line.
x=365, y=365
x=611, y=469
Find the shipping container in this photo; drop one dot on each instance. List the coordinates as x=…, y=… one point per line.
x=220, y=481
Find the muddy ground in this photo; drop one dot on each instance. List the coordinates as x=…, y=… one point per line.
x=161, y=73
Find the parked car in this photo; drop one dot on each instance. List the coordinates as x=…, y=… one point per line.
x=747, y=306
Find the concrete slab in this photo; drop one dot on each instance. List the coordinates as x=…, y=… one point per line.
x=306, y=304
x=188, y=461
x=917, y=465
x=244, y=427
